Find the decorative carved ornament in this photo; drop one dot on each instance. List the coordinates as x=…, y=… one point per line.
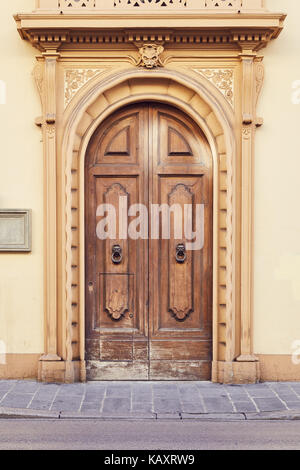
x=75, y=79
x=223, y=79
x=143, y=4
x=150, y=56
x=180, y=271
x=150, y=3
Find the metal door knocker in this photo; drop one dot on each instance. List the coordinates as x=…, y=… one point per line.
x=117, y=255
x=180, y=253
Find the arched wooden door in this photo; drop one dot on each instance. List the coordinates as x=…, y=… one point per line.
x=148, y=290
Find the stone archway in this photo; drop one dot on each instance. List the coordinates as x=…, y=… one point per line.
x=96, y=105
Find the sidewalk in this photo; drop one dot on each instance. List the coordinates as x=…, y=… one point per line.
x=150, y=400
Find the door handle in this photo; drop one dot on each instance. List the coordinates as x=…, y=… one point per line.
x=117, y=254
x=180, y=253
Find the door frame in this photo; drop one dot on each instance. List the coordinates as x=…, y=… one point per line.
x=217, y=125
x=210, y=110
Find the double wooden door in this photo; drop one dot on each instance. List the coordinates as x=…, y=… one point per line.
x=148, y=286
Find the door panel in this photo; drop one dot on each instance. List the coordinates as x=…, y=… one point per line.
x=116, y=267
x=153, y=155
x=180, y=307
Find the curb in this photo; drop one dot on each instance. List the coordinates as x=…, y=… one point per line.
x=9, y=413
x=18, y=413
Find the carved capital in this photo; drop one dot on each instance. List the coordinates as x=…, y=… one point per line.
x=50, y=58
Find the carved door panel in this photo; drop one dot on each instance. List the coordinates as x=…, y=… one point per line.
x=116, y=267
x=148, y=300
x=180, y=271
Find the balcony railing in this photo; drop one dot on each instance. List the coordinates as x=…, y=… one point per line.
x=74, y=6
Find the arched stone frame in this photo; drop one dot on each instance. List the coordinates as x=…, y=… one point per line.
x=213, y=115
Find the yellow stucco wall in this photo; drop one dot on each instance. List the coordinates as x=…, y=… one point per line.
x=277, y=194
x=277, y=191
x=21, y=171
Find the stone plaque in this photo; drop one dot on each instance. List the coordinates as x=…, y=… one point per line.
x=15, y=230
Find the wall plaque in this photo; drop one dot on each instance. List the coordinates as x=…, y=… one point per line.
x=15, y=230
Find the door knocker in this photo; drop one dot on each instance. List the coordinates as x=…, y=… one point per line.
x=180, y=253
x=117, y=255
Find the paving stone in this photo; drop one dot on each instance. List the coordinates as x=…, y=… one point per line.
x=45, y=395
x=192, y=407
x=293, y=405
x=288, y=395
x=92, y=396
x=118, y=392
x=280, y=387
x=275, y=416
x=147, y=392
x=63, y=392
x=97, y=402
x=133, y=416
x=66, y=405
x=269, y=404
x=146, y=407
x=217, y=405
x=160, y=395
x=261, y=393
x=14, y=400
x=88, y=408
x=215, y=416
x=209, y=386
x=239, y=396
x=244, y=406
x=7, y=385
x=175, y=416
x=142, y=398
x=99, y=387
x=165, y=389
x=142, y=386
x=40, y=405
x=221, y=393
x=25, y=413
x=49, y=388
x=257, y=386
x=113, y=405
x=189, y=394
x=162, y=405
x=237, y=391
x=26, y=387
x=2, y=394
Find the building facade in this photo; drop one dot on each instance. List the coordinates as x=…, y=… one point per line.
x=129, y=107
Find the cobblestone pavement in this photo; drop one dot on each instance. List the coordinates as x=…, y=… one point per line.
x=150, y=399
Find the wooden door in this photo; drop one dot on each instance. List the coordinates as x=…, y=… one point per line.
x=148, y=297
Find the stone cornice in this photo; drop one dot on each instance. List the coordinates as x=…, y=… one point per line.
x=226, y=29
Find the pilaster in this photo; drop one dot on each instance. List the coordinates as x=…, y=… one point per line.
x=51, y=356
x=249, y=100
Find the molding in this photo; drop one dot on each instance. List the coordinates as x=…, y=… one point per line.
x=213, y=30
x=162, y=86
